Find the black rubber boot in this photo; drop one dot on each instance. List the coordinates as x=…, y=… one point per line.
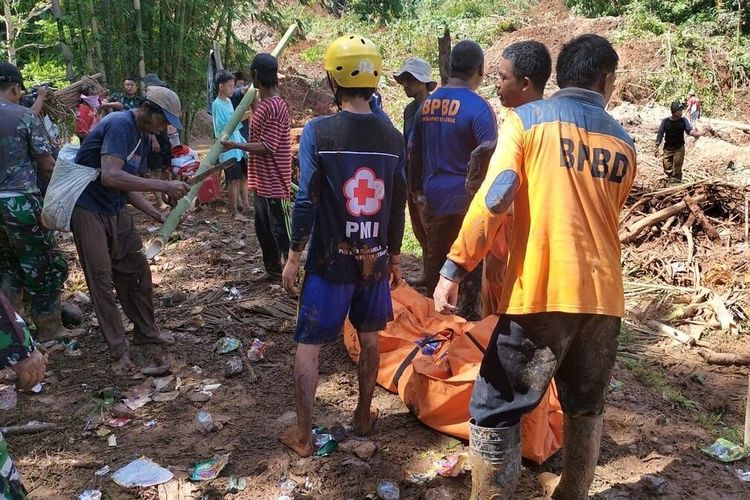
x=582, y=436
x=495, y=459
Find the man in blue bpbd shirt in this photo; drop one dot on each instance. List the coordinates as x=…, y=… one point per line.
x=450, y=124
x=350, y=204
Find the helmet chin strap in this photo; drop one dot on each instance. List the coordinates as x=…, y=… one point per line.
x=335, y=91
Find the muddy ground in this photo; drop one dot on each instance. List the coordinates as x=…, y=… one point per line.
x=669, y=405
x=649, y=434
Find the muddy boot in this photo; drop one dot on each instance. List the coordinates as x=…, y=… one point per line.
x=14, y=294
x=495, y=459
x=49, y=326
x=580, y=454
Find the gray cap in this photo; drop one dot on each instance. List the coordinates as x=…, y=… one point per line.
x=153, y=80
x=419, y=69
x=168, y=102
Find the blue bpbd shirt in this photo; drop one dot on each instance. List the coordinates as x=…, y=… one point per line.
x=352, y=196
x=116, y=135
x=449, y=125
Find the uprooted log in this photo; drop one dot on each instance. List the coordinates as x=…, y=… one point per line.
x=632, y=231
x=724, y=358
x=692, y=204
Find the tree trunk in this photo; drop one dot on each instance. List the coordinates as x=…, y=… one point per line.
x=139, y=35
x=228, y=28
x=97, y=42
x=88, y=59
x=64, y=48
x=444, y=56
x=10, y=32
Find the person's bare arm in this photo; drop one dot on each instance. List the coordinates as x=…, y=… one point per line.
x=44, y=165
x=113, y=105
x=141, y=203
x=114, y=177
x=41, y=95
x=257, y=148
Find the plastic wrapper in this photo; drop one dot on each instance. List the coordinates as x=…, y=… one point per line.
x=142, y=473
x=209, y=469
x=726, y=451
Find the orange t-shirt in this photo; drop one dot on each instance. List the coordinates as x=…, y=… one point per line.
x=576, y=165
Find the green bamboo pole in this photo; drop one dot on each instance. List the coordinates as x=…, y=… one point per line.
x=156, y=245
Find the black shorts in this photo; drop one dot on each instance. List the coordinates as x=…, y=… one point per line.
x=526, y=351
x=236, y=172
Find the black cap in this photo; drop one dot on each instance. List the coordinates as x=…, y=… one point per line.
x=264, y=61
x=677, y=106
x=10, y=74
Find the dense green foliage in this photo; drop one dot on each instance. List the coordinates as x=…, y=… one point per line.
x=177, y=35
x=704, y=45
x=675, y=11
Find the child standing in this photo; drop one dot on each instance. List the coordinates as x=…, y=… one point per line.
x=236, y=175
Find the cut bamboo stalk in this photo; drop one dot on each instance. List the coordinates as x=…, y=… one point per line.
x=668, y=331
x=156, y=245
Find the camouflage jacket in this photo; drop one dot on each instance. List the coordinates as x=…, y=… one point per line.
x=128, y=103
x=15, y=339
x=22, y=139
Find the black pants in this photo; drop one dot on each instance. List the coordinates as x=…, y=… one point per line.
x=526, y=351
x=442, y=231
x=272, y=229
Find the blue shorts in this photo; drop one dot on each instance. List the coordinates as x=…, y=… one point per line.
x=324, y=305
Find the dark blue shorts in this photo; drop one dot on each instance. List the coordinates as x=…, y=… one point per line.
x=324, y=305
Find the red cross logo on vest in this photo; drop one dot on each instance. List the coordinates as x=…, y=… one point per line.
x=364, y=193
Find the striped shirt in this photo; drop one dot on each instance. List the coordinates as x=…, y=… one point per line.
x=270, y=174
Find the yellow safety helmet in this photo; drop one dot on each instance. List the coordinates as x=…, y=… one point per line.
x=353, y=62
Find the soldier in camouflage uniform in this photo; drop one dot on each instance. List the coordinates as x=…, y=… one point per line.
x=30, y=261
x=17, y=351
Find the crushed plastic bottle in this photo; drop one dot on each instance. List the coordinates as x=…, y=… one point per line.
x=204, y=422
x=8, y=398
x=388, y=490
x=233, y=367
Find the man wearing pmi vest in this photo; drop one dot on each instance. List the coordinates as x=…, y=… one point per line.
x=567, y=167
x=450, y=124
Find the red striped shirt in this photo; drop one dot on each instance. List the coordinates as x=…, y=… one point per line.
x=270, y=174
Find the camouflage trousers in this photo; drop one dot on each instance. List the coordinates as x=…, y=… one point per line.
x=30, y=259
x=11, y=487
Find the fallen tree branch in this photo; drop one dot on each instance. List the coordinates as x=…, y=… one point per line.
x=710, y=231
x=17, y=430
x=724, y=358
x=631, y=232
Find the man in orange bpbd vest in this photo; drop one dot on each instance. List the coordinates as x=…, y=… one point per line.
x=566, y=166
x=524, y=70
